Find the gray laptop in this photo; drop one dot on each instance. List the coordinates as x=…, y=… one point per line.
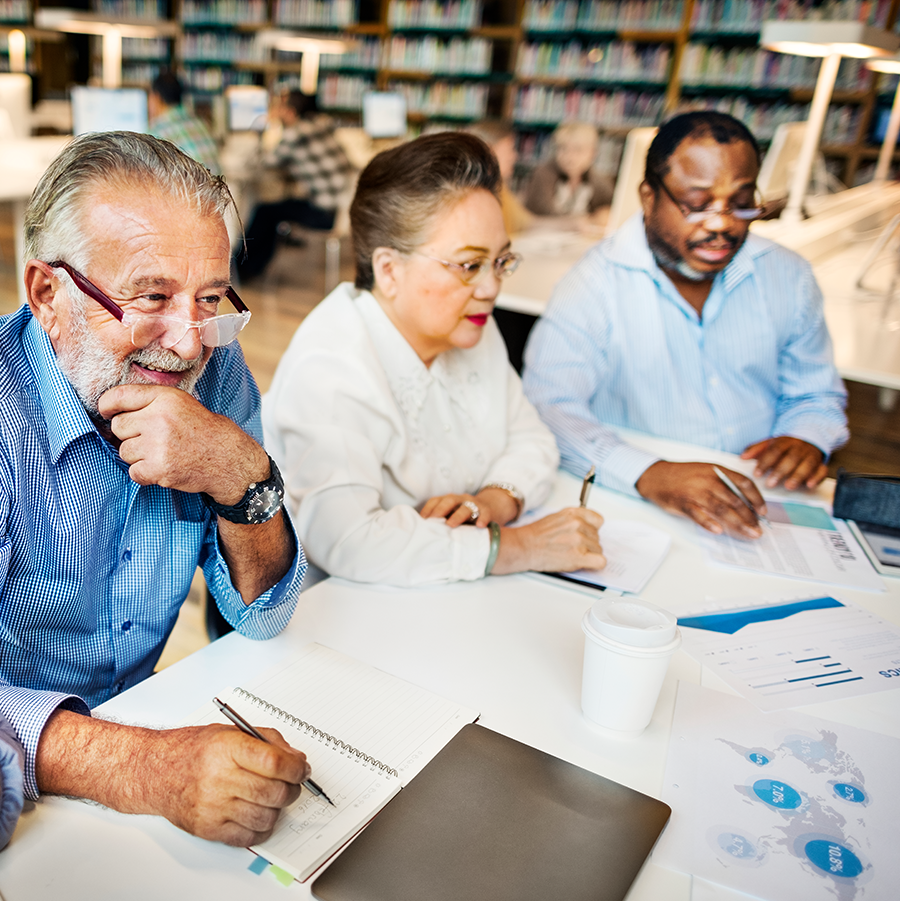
x=492, y=819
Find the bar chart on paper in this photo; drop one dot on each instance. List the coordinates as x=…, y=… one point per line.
x=789, y=652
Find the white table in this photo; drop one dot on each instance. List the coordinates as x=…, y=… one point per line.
x=22, y=163
x=508, y=646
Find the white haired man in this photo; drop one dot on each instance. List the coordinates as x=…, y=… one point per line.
x=130, y=454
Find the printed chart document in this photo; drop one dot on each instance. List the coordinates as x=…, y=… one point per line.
x=781, y=806
x=801, y=541
x=789, y=652
x=633, y=552
x=366, y=734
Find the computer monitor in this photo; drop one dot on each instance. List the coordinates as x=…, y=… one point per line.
x=384, y=114
x=248, y=107
x=108, y=109
x=780, y=161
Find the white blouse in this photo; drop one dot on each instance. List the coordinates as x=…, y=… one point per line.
x=364, y=434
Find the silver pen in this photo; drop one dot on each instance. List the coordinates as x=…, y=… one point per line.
x=735, y=490
x=586, y=487
x=244, y=726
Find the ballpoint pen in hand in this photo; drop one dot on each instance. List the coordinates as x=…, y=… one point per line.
x=735, y=490
x=586, y=487
x=244, y=726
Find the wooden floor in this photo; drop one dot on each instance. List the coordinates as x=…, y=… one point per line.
x=294, y=284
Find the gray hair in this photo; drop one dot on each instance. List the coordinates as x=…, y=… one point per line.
x=53, y=221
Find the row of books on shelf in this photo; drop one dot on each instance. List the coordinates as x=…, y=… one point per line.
x=127, y=9
x=15, y=10
x=471, y=56
x=316, y=13
x=747, y=16
x=141, y=74
x=457, y=14
x=753, y=67
x=146, y=48
x=366, y=54
x=214, y=79
x=725, y=16
x=602, y=15
x=221, y=46
x=762, y=119
x=224, y=12
x=540, y=105
x=611, y=61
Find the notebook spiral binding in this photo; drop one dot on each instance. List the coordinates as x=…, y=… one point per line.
x=298, y=723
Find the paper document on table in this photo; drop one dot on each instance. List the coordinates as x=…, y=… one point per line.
x=800, y=541
x=782, y=653
x=782, y=806
x=633, y=552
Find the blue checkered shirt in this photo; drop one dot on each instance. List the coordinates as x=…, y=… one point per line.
x=94, y=567
x=619, y=346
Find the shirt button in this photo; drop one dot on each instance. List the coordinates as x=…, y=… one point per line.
x=118, y=686
x=729, y=430
x=713, y=382
x=126, y=625
x=448, y=428
x=126, y=556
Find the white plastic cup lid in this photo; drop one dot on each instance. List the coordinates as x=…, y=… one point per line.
x=632, y=621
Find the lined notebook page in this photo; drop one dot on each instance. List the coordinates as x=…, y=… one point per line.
x=388, y=719
x=379, y=715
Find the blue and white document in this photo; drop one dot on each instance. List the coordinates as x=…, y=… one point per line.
x=782, y=806
x=787, y=652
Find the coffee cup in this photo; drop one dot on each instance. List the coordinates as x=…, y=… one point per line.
x=627, y=647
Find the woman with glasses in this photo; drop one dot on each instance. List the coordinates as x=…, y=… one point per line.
x=407, y=446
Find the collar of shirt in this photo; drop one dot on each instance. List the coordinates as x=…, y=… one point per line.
x=628, y=247
x=409, y=378
x=66, y=418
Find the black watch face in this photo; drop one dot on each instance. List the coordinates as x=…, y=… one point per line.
x=264, y=506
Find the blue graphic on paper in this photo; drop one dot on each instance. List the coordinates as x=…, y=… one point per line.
x=847, y=792
x=812, y=828
x=735, y=620
x=834, y=858
x=777, y=794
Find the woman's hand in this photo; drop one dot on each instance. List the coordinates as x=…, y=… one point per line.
x=561, y=542
x=494, y=505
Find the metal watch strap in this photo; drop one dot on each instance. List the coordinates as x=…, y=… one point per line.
x=240, y=512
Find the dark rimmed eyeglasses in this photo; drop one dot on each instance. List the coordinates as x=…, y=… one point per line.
x=475, y=271
x=217, y=331
x=697, y=217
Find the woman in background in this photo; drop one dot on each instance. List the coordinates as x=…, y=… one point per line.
x=406, y=443
x=568, y=184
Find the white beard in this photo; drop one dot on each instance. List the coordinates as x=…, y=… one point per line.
x=93, y=370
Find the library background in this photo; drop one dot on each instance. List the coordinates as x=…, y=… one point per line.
x=615, y=64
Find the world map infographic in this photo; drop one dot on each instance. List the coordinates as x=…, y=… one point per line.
x=779, y=805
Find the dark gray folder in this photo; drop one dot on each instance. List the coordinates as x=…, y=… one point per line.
x=492, y=819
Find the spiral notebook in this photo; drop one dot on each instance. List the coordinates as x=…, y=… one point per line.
x=366, y=735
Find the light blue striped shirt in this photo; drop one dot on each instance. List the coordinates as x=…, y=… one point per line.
x=94, y=567
x=619, y=346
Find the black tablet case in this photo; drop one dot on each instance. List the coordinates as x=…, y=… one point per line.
x=492, y=819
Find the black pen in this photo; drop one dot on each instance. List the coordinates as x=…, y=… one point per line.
x=244, y=726
x=586, y=487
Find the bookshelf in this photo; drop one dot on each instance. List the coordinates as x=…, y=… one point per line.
x=615, y=63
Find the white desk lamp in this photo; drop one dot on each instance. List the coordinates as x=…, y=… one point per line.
x=111, y=28
x=831, y=41
x=890, y=65
x=311, y=46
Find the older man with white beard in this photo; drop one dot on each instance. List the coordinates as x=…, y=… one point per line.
x=130, y=455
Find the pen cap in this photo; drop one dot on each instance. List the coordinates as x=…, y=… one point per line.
x=631, y=621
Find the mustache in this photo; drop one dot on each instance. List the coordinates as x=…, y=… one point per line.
x=716, y=238
x=160, y=358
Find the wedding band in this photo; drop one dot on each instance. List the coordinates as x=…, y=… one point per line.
x=472, y=507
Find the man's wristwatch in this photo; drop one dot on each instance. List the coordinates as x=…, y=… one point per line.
x=261, y=502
